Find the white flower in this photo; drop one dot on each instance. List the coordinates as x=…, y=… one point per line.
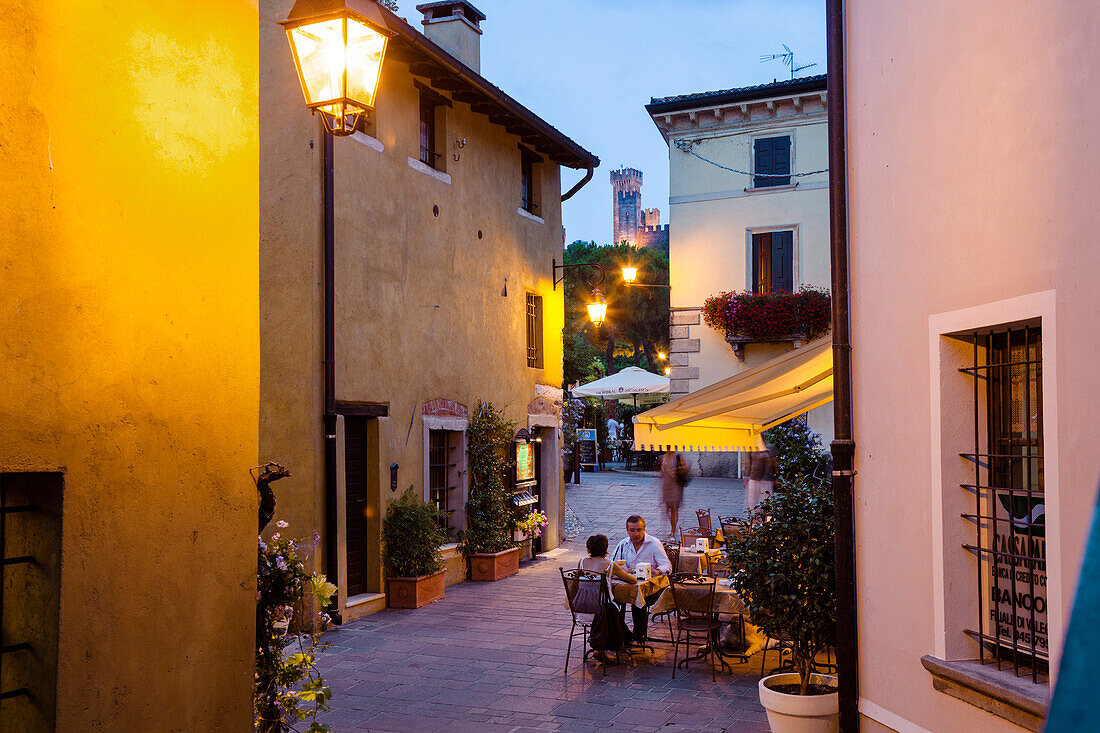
x=274, y=536
x=281, y=524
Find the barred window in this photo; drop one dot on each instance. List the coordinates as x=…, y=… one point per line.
x=1009, y=510
x=443, y=475
x=534, y=331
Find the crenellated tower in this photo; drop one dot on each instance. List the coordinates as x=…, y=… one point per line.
x=626, y=187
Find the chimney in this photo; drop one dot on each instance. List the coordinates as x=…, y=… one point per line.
x=456, y=28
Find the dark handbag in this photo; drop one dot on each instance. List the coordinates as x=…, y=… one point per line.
x=683, y=475
x=608, y=629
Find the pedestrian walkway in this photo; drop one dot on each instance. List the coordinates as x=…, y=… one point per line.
x=489, y=657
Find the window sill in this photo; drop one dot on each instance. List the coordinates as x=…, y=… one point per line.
x=772, y=189
x=416, y=165
x=1016, y=699
x=523, y=212
x=372, y=143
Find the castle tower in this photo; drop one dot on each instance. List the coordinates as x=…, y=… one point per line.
x=626, y=187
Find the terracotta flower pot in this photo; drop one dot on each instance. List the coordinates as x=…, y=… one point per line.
x=800, y=713
x=414, y=592
x=494, y=565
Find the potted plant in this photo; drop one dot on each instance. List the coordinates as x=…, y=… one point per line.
x=530, y=527
x=411, y=537
x=487, y=542
x=747, y=317
x=786, y=576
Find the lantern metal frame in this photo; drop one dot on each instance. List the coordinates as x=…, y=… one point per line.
x=311, y=12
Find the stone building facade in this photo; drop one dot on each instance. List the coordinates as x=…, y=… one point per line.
x=630, y=222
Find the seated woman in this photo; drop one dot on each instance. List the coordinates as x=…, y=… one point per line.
x=597, y=561
x=618, y=635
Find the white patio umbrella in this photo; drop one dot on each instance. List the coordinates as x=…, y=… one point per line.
x=629, y=381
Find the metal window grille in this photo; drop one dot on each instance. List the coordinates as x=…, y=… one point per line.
x=442, y=474
x=1009, y=506
x=527, y=182
x=10, y=646
x=534, y=331
x=428, y=154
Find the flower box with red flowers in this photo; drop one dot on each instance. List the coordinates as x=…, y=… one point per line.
x=744, y=317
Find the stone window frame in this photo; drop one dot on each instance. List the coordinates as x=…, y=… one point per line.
x=444, y=414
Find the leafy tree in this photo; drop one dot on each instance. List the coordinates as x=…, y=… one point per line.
x=636, y=325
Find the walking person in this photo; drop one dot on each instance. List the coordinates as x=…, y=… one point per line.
x=674, y=472
x=760, y=476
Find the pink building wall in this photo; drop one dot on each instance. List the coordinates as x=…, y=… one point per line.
x=973, y=182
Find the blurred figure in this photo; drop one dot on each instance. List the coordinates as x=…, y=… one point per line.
x=674, y=471
x=760, y=470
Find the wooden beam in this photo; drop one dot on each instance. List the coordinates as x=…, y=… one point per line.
x=363, y=409
x=471, y=98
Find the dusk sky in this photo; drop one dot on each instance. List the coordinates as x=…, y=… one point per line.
x=589, y=67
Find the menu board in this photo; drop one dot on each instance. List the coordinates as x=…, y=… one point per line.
x=525, y=462
x=586, y=444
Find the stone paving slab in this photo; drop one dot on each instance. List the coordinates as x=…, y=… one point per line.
x=490, y=657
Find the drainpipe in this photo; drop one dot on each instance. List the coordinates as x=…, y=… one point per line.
x=843, y=446
x=580, y=184
x=330, y=371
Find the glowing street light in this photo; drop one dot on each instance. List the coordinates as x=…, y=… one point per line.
x=338, y=47
x=597, y=309
x=630, y=274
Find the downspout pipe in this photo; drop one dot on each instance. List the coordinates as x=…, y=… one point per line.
x=329, y=415
x=843, y=446
x=580, y=184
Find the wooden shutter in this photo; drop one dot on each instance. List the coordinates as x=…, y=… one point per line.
x=772, y=155
x=782, y=261
x=761, y=263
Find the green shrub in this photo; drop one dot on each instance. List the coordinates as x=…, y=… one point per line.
x=785, y=568
x=798, y=452
x=489, y=515
x=411, y=537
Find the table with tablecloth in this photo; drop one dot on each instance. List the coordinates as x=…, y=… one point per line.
x=690, y=561
x=634, y=594
x=726, y=600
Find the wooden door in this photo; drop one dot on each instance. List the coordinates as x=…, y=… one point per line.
x=355, y=482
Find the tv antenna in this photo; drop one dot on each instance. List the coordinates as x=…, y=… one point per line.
x=788, y=60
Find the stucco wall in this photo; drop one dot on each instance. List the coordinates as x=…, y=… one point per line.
x=419, y=310
x=130, y=357
x=712, y=219
x=970, y=183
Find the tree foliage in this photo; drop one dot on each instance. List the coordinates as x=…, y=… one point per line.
x=488, y=512
x=636, y=325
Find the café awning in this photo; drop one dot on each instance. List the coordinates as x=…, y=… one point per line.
x=731, y=414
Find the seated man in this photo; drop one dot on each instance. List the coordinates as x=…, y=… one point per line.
x=641, y=547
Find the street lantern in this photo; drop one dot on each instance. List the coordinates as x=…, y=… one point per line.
x=597, y=309
x=338, y=46
x=630, y=274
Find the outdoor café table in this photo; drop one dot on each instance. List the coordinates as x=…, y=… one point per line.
x=634, y=594
x=726, y=600
x=693, y=562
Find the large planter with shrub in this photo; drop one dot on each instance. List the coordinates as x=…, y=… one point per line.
x=411, y=537
x=414, y=592
x=796, y=713
x=786, y=575
x=494, y=565
x=487, y=542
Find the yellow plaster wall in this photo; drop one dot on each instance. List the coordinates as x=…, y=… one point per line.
x=419, y=310
x=130, y=344
x=969, y=185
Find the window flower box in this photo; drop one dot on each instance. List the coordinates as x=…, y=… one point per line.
x=745, y=318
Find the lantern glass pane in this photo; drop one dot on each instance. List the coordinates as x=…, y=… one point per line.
x=366, y=48
x=322, y=58
x=596, y=312
x=630, y=274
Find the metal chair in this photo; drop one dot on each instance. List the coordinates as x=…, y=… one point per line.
x=688, y=535
x=673, y=552
x=693, y=596
x=585, y=591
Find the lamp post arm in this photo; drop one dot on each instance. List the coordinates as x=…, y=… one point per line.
x=595, y=279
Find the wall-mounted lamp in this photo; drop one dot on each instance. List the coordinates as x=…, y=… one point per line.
x=630, y=275
x=594, y=278
x=597, y=308
x=338, y=47
x=668, y=370
x=661, y=355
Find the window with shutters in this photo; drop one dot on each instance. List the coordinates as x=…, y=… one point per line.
x=443, y=476
x=433, y=108
x=771, y=161
x=534, y=331
x=773, y=261
x=529, y=181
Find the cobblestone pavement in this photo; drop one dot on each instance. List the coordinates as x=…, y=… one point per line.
x=489, y=657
